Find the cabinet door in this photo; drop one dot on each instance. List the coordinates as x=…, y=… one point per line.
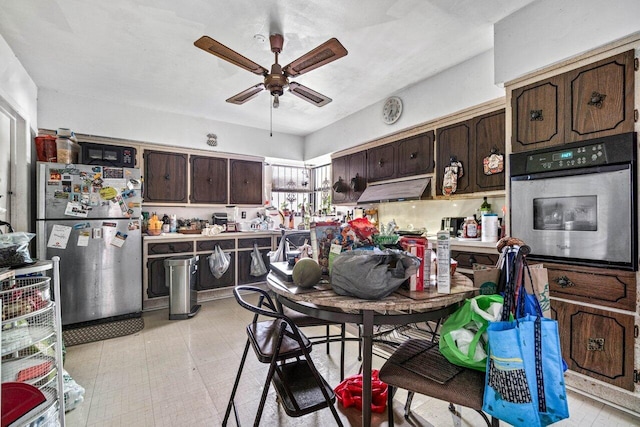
x=415, y=155
x=601, y=98
x=596, y=343
x=599, y=286
x=165, y=176
x=340, y=180
x=157, y=286
x=208, y=180
x=467, y=259
x=453, y=142
x=246, y=182
x=489, y=137
x=357, y=175
x=538, y=119
x=206, y=279
x=381, y=162
x=244, y=267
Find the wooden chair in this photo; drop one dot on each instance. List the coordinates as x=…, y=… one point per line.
x=418, y=366
x=279, y=343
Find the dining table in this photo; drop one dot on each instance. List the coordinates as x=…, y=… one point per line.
x=402, y=307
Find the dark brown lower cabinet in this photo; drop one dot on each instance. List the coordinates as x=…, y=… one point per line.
x=597, y=343
x=157, y=286
x=244, y=266
x=206, y=279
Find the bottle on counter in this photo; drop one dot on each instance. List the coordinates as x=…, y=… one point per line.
x=470, y=228
x=173, y=223
x=166, y=224
x=485, y=207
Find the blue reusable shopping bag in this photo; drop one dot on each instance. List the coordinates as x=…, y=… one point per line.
x=525, y=383
x=525, y=371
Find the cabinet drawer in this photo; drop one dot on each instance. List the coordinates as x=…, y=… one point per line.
x=169, y=247
x=248, y=243
x=467, y=259
x=209, y=245
x=597, y=343
x=611, y=288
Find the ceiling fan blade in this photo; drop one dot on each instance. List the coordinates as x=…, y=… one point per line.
x=247, y=94
x=327, y=52
x=308, y=95
x=221, y=51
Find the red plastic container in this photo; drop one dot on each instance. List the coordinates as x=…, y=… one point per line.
x=46, y=148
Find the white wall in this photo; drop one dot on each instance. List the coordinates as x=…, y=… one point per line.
x=465, y=85
x=548, y=31
x=96, y=117
x=16, y=87
x=18, y=100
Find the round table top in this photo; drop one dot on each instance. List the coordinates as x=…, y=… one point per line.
x=324, y=296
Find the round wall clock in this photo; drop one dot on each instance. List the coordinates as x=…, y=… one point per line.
x=392, y=110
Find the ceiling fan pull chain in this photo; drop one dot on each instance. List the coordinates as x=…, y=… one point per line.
x=270, y=119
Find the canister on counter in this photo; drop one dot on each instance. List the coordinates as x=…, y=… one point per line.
x=490, y=227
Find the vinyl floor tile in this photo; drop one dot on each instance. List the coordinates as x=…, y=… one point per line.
x=180, y=373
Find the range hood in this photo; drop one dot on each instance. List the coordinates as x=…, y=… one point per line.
x=412, y=189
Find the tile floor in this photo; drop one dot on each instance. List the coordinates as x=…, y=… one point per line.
x=180, y=373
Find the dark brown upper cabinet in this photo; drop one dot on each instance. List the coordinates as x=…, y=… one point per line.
x=469, y=142
x=601, y=98
x=165, y=176
x=348, y=177
x=453, y=143
x=209, y=180
x=381, y=162
x=246, y=182
x=537, y=114
x=415, y=155
x=488, y=132
x=590, y=102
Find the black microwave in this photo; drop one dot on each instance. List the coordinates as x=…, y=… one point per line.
x=107, y=155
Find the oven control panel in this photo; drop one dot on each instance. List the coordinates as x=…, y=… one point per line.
x=567, y=158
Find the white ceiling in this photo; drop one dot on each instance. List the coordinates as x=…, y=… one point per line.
x=141, y=52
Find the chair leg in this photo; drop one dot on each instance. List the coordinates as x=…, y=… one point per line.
x=267, y=384
x=390, y=392
x=407, y=405
x=328, y=341
x=359, y=343
x=231, y=404
x=343, y=328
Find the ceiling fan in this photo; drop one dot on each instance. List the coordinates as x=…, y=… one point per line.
x=276, y=80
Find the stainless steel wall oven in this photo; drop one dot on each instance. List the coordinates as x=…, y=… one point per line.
x=577, y=203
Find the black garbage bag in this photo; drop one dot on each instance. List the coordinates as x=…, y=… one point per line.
x=371, y=275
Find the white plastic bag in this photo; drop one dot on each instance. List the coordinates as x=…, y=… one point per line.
x=257, y=264
x=219, y=262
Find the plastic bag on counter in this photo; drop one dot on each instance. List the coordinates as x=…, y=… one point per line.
x=14, y=249
x=219, y=262
x=371, y=275
x=257, y=264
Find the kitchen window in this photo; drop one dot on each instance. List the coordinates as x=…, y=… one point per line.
x=293, y=187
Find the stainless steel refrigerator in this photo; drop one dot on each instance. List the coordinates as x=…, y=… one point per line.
x=89, y=216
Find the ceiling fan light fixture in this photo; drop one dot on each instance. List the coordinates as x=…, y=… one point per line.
x=276, y=100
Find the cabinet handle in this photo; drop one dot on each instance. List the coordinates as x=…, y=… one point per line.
x=413, y=155
x=209, y=180
x=595, y=344
x=381, y=162
x=596, y=99
x=536, y=116
x=564, y=282
x=172, y=248
x=472, y=260
x=246, y=181
x=167, y=176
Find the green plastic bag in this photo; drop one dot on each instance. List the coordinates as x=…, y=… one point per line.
x=461, y=336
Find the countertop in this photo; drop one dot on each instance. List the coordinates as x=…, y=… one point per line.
x=457, y=244
x=225, y=235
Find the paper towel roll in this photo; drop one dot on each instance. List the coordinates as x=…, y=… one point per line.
x=490, y=227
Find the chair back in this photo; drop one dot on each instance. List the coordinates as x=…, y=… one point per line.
x=265, y=307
